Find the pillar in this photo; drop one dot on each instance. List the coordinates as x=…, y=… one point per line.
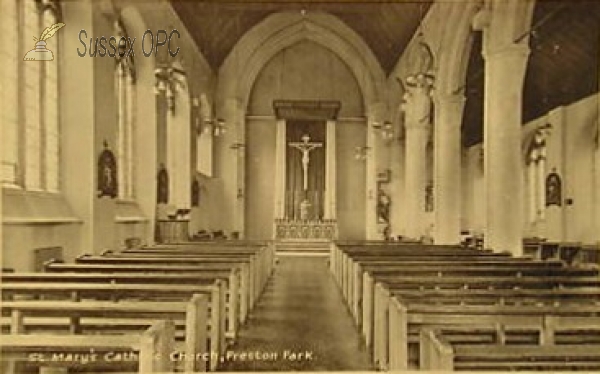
x=330, y=171
x=447, y=168
x=239, y=148
x=418, y=126
x=280, y=169
x=504, y=75
x=375, y=114
x=232, y=217
x=397, y=195
x=597, y=165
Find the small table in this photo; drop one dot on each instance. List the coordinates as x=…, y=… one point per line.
x=173, y=230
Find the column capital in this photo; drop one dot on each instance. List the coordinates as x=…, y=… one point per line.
x=417, y=101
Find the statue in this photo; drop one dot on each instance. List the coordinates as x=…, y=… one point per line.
x=305, y=147
x=553, y=189
x=383, y=207
x=162, y=193
x=107, y=173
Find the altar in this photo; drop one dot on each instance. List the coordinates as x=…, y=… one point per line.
x=290, y=229
x=305, y=182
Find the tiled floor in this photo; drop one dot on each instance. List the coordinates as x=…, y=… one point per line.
x=301, y=311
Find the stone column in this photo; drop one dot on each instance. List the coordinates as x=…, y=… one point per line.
x=375, y=114
x=280, y=170
x=397, y=195
x=239, y=149
x=418, y=126
x=597, y=166
x=597, y=177
x=229, y=164
x=504, y=74
x=330, y=172
x=447, y=168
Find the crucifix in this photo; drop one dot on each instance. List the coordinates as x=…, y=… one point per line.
x=305, y=146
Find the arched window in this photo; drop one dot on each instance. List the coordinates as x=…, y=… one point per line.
x=125, y=87
x=29, y=107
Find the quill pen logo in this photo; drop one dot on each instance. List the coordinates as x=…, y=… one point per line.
x=40, y=52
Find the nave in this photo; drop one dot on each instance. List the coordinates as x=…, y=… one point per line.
x=301, y=310
x=239, y=306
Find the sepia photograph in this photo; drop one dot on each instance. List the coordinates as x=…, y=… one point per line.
x=319, y=185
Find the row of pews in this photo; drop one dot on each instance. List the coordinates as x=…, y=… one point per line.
x=453, y=308
x=167, y=308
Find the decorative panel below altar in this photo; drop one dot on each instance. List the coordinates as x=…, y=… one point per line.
x=305, y=229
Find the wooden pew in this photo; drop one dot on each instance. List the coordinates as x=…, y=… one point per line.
x=117, y=292
x=439, y=352
x=450, y=274
x=354, y=291
x=149, y=350
x=443, y=267
x=264, y=249
x=111, y=316
x=129, y=277
x=204, y=271
x=207, y=263
x=405, y=317
x=375, y=305
x=343, y=258
x=459, y=282
x=256, y=259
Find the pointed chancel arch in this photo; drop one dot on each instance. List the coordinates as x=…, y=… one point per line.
x=254, y=50
x=281, y=30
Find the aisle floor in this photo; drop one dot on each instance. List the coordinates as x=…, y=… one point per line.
x=300, y=323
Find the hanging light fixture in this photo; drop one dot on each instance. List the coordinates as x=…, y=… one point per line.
x=170, y=78
x=385, y=130
x=361, y=153
x=205, y=123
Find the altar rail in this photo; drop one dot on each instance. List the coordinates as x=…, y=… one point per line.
x=305, y=229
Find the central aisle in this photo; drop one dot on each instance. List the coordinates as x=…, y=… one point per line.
x=301, y=311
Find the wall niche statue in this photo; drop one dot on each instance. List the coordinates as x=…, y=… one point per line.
x=162, y=186
x=429, y=197
x=195, y=193
x=553, y=189
x=107, y=173
x=383, y=207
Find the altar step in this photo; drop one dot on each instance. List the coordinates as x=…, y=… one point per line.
x=302, y=248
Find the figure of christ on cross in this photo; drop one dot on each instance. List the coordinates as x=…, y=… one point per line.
x=305, y=146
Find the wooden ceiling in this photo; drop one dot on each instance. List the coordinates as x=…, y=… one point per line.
x=562, y=68
x=386, y=27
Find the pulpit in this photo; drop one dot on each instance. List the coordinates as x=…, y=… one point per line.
x=173, y=230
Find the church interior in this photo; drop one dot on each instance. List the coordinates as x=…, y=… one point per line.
x=208, y=185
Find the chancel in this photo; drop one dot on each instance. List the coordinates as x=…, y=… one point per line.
x=303, y=186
